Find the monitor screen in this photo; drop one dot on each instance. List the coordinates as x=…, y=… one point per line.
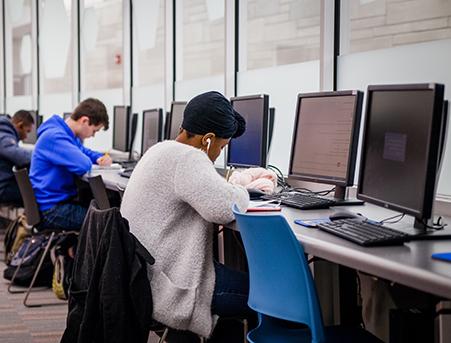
x=401, y=146
x=121, y=128
x=152, y=125
x=325, y=137
x=33, y=135
x=177, y=109
x=250, y=149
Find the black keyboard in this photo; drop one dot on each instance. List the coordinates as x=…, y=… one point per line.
x=128, y=164
x=126, y=173
x=364, y=233
x=301, y=200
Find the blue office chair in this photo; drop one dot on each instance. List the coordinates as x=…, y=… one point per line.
x=282, y=290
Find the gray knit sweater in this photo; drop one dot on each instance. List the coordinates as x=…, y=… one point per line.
x=173, y=197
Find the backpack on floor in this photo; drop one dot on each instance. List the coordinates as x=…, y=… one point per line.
x=31, y=251
x=15, y=234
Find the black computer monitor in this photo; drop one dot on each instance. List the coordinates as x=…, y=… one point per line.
x=250, y=149
x=325, y=140
x=443, y=135
x=152, y=128
x=133, y=125
x=176, y=118
x=33, y=135
x=121, y=128
x=272, y=115
x=401, y=147
x=66, y=115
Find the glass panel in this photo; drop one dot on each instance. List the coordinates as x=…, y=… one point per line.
x=200, y=38
x=102, y=40
x=56, y=46
x=19, y=35
x=148, y=42
x=276, y=33
x=376, y=24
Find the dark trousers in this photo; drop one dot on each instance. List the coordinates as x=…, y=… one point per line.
x=229, y=300
x=67, y=217
x=10, y=194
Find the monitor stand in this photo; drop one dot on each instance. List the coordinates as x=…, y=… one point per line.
x=426, y=233
x=341, y=200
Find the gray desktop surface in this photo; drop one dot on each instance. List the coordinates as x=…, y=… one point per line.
x=110, y=177
x=409, y=264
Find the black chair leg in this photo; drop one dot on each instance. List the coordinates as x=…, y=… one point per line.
x=47, y=248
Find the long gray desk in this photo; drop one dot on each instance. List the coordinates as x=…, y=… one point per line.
x=409, y=264
x=110, y=177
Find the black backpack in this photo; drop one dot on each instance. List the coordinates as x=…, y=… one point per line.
x=25, y=274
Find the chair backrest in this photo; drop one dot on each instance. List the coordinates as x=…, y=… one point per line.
x=281, y=284
x=99, y=191
x=29, y=200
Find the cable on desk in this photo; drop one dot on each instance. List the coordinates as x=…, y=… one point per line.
x=397, y=218
x=438, y=225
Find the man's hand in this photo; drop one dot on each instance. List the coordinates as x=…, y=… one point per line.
x=104, y=160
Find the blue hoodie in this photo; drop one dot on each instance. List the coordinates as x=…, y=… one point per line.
x=58, y=158
x=10, y=152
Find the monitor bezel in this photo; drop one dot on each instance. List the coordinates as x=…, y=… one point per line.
x=127, y=129
x=353, y=143
x=432, y=152
x=160, y=126
x=169, y=127
x=264, y=145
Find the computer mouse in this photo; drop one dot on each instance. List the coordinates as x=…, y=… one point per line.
x=255, y=194
x=343, y=215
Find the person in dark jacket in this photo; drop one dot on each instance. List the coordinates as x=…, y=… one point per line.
x=11, y=154
x=59, y=157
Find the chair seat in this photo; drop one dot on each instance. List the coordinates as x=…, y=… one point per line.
x=334, y=334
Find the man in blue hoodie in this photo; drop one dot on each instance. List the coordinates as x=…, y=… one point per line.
x=11, y=132
x=59, y=157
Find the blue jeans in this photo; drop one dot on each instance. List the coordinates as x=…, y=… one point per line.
x=229, y=300
x=10, y=194
x=231, y=293
x=68, y=217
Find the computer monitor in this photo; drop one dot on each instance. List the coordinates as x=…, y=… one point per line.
x=66, y=115
x=152, y=128
x=401, y=147
x=250, y=149
x=176, y=118
x=443, y=135
x=133, y=125
x=272, y=115
x=325, y=140
x=121, y=128
x=33, y=135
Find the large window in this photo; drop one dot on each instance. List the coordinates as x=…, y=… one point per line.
x=148, y=42
x=279, y=52
x=102, y=44
x=378, y=24
x=274, y=33
x=19, y=46
x=200, y=38
x=56, y=46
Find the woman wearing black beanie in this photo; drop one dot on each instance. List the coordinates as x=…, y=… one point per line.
x=172, y=200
